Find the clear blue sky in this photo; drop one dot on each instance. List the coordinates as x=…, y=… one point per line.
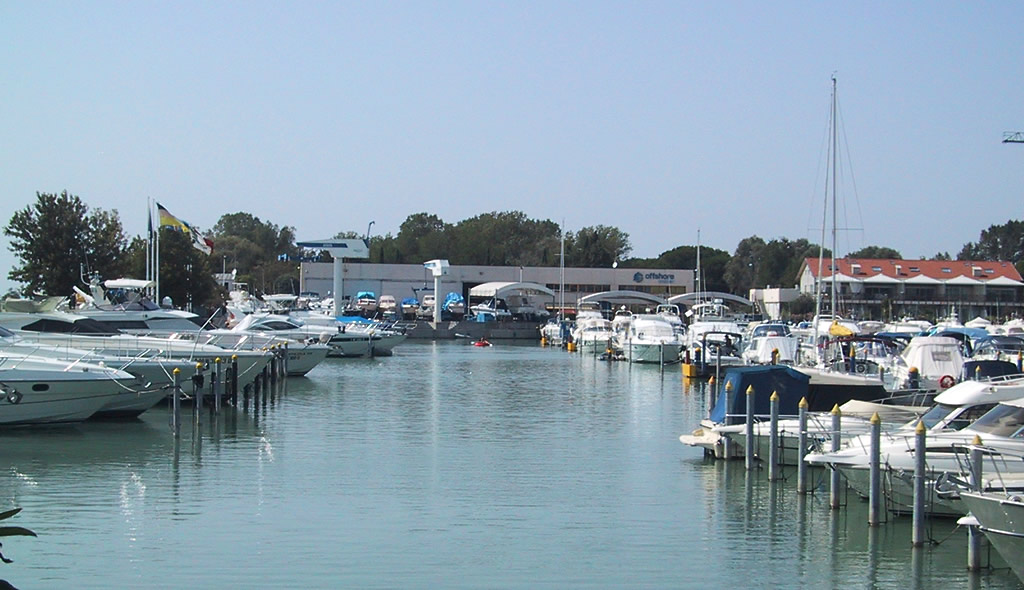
x=655, y=117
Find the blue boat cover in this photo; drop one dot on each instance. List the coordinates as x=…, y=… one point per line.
x=450, y=299
x=354, y=319
x=410, y=301
x=369, y=294
x=790, y=384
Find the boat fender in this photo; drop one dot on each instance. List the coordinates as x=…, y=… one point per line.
x=14, y=396
x=946, y=381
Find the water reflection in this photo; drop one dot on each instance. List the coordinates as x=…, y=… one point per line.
x=444, y=466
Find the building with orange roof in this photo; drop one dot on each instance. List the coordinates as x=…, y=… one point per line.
x=869, y=288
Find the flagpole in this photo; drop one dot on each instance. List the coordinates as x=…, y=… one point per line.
x=156, y=263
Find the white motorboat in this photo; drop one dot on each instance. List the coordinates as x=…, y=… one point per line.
x=303, y=356
x=951, y=410
x=345, y=339
x=154, y=375
x=75, y=331
x=1000, y=515
x=937, y=358
x=1000, y=430
x=593, y=332
x=38, y=391
x=651, y=339
x=492, y=309
x=771, y=343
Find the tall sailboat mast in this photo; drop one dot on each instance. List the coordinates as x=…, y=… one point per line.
x=835, y=146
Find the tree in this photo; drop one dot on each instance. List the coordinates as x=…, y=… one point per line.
x=597, y=246
x=998, y=242
x=421, y=237
x=742, y=270
x=57, y=237
x=876, y=252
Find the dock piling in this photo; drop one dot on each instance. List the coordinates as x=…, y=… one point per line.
x=875, y=490
x=918, y=536
x=773, y=451
x=834, y=481
x=801, y=467
x=749, y=447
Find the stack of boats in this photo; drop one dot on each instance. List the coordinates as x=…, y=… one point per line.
x=116, y=355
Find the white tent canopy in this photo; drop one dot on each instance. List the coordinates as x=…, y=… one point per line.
x=500, y=289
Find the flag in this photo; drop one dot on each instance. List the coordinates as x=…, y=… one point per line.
x=199, y=242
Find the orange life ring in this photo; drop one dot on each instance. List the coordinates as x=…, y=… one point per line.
x=946, y=381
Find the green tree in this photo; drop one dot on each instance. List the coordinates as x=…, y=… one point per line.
x=422, y=237
x=57, y=237
x=998, y=242
x=877, y=252
x=597, y=246
x=263, y=253
x=741, y=272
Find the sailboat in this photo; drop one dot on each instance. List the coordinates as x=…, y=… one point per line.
x=829, y=374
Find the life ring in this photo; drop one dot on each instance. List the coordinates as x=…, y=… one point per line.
x=946, y=381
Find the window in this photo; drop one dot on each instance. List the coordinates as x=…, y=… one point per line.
x=915, y=269
x=947, y=270
x=876, y=268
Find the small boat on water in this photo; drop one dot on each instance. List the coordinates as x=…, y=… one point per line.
x=482, y=343
x=651, y=339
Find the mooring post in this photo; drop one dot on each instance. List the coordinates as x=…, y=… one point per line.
x=834, y=481
x=801, y=468
x=234, y=378
x=773, y=452
x=749, y=448
x=917, y=535
x=284, y=359
x=974, y=536
x=875, y=491
x=198, y=402
x=176, y=403
x=215, y=384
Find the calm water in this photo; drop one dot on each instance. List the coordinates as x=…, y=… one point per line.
x=445, y=466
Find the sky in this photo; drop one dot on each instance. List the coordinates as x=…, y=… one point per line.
x=663, y=119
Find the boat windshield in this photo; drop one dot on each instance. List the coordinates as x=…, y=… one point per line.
x=1003, y=420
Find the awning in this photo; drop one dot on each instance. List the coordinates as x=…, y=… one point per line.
x=498, y=289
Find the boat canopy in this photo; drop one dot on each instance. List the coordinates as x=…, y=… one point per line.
x=621, y=296
x=691, y=299
x=137, y=284
x=987, y=369
x=499, y=289
x=790, y=384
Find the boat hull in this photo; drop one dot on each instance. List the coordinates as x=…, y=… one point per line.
x=44, y=397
